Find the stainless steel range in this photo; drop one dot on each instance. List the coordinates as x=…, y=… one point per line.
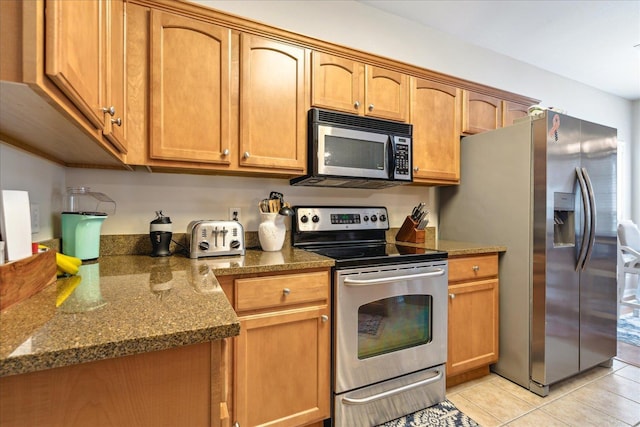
x=389, y=314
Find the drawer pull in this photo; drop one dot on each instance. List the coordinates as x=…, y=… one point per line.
x=286, y=291
x=452, y=296
x=475, y=268
x=324, y=318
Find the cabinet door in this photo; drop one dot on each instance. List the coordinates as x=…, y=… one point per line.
x=435, y=115
x=386, y=94
x=115, y=123
x=190, y=103
x=75, y=53
x=336, y=83
x=473, y=325
x=282, y=368
x=512, y=111
x=480, y=113
x=273, y=119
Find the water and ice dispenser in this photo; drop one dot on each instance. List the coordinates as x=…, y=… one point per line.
x=564, y=230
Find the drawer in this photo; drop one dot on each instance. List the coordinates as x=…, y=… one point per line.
x=473, y=267
x=282, y=290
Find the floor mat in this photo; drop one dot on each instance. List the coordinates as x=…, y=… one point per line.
x=442, y=414
x=629, y=329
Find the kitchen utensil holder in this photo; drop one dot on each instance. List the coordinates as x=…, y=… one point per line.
x=409, y=232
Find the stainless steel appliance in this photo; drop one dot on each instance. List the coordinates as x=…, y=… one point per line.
x=546, y=189
x=389, y=315
x=346, y=150
x=207, y=238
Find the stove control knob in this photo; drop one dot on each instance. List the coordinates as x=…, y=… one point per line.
x=366, y=218
x=374, y=218
x=315, y=218
x=304, y=219
x=383, y=218
x=204, y=246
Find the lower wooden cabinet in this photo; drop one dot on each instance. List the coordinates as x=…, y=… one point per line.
x=473, y=317
x=175, y=387
x=278, y=368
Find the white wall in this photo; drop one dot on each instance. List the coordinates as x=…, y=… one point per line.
x=350, y=23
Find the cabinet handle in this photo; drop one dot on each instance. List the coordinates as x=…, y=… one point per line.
x=117, y=121
x=475, y=268
x=236, y=424
x=225, y=152
x=370, y=107
x=111, y=110
x=416, y=169
x=452, y=296
x=324, y=318
x=246, y=155
x=357, y=104
x=286, y=291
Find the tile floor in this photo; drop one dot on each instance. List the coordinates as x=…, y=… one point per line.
x=598, y=397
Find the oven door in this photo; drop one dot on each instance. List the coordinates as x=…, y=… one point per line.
x=353, y=153
x=390, y=321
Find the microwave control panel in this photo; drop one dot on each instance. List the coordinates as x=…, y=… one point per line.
x=402, y=154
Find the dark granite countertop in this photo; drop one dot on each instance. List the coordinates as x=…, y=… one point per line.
x=455, y=248
x=128, y=304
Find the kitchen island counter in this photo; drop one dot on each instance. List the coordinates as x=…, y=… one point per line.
x=130, y=304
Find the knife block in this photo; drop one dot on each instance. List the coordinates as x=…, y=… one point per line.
x=409, y=233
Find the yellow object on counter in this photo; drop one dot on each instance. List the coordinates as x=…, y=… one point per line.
x=66, y=264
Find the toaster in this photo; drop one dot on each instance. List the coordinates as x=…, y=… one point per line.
x=207, y=238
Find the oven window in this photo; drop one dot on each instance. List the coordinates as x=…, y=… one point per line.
x=393, y=324
x=353, y=153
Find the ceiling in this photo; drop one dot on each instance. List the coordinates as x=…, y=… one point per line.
x=588, y=41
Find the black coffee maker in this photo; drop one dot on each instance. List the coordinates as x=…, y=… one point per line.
x=160, y=234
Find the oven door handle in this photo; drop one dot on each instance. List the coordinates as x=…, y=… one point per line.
x=366, y=282
x=363, y=401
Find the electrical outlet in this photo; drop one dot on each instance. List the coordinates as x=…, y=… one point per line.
x=35, y=218
x=234, y=214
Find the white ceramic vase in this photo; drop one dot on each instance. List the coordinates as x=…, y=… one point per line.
x=271, y=231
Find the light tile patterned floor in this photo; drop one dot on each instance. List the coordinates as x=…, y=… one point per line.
x=599, y=397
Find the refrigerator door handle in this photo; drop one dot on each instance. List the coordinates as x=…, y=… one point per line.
x=593, y=216
x=587, y=220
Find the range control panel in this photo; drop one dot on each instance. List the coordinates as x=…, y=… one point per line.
x=336, y=218
x=215, y=238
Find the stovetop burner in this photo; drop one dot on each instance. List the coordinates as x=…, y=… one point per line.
x=353, y=236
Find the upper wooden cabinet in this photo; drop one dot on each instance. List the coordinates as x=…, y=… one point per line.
x=84, y=58
x=189, y=89
x=480, y=112
x=512, y=111
x=350, y=86
x=273, y=105
x=435, y=115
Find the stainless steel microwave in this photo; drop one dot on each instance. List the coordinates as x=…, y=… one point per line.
x=345, y=150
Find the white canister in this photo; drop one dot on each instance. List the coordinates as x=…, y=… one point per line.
x=271, y=231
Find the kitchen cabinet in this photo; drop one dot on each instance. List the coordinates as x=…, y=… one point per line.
x=280, y=369
x=179, y=386
x=435, y=114
x=353, y=87
x=473, y=317
x=512, y=111
x=189, y=89
x=273, y=105
x=480, y=112
x=84, y=57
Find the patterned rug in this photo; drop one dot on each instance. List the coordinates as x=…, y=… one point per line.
x=629, y=329
x=442, y=414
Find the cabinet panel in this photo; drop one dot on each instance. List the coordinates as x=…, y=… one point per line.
x=473, y=326
x=435, y=115
x=512, y=111
x=190, y=62
x=273, y=108
x=282, y=368
x=336, y=82
x=75, y=53
x=480, y=113
x=386, y=94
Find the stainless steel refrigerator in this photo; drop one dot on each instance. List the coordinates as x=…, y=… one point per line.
x=546, y=189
